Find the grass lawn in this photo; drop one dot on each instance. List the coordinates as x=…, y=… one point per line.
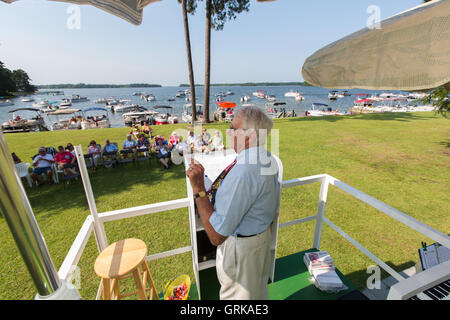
x=402, y=159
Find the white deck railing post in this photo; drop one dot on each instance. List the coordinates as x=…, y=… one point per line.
x=320, y=211
x=99, y=228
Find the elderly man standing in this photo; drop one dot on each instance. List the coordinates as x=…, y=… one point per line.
x=238, y=210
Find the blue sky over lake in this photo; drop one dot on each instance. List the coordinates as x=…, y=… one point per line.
x=268, y=43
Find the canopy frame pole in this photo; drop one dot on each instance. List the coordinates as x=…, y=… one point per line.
x=99, y=227
x=16, y=209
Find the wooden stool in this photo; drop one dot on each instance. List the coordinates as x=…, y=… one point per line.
x=122, y=260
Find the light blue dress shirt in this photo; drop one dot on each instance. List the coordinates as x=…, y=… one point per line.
x=249, y=196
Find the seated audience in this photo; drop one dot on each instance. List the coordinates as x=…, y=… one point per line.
x=205, y=136
x=95, y=152
x=15, y=158
x=162, y=150
x=199, y=145
x=63, y=160
x=109, y=152
x=71, y=149
x=42, y=164
x=216, y=142
x=143, y=144
x=147, y=130
x=174, y=140
x=129, y=146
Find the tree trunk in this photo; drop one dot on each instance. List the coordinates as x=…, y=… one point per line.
x=189, y=58
x=207, y=62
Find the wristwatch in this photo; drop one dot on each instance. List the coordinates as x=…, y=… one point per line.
x=201, y=194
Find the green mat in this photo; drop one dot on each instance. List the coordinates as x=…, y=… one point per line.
x=291, y=282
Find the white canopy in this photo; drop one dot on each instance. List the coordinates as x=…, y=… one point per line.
x=411, y=51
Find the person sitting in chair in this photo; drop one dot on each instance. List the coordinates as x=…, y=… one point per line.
x=129, y=146
x=143, y=144
x=163, y=153
x=110, y=152
x=216, y=142
x=43, y=164
x=64, y=159
x=95, y=152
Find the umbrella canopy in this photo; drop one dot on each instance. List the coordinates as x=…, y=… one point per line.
x=226, y=105
x=130, y=10
x=411, y=51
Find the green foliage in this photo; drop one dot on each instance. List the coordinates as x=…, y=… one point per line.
x=439, y=98
x=225, y=10
x=7, y=85
x=13, y=81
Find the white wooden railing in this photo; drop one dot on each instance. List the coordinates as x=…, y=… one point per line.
x=94, y=222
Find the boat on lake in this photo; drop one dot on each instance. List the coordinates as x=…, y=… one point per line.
x=164, y=117
x=75, y=98
x=65, y=119
x=95, y=121
x=187, y=112
x=21, y=123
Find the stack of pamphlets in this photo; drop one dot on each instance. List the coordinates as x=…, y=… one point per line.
x=321, y=266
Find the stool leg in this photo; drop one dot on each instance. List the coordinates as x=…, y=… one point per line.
x=153, y=291
x=139, y=285
x=106, y=289
x=116, y=289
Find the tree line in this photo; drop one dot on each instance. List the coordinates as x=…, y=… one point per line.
x=14, y=81
x=91, y=86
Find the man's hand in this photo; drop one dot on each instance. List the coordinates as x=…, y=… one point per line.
x=196, y=173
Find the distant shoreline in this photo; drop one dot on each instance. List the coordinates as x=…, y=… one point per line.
x=147, y=85
x=96, y=86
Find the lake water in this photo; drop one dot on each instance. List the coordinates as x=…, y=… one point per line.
x=311, y=94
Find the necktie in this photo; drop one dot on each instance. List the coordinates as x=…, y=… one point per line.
x=215, y=185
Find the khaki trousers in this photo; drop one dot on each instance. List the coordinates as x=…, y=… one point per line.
x=243, y=266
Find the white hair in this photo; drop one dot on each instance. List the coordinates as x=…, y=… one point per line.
x=255, y=118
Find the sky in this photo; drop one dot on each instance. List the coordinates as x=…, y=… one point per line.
x=267, y=44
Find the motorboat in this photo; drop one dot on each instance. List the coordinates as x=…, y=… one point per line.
x=19, y=123
x=66, y=119
x=291, y=93
x=148, y=97
x=75, y=98
x=127, y=108
x=317, y=113
x=27, y=99
x=245, y=98
x=164, y=117
x=224, y=114
x=275, y=109
x=229, y=93
x=171, y=99
x=333, y=95
x=42, y=104
x=260, y=94
x=345, y=93
x=299, y=97
x=65, y=103
x=139, y=117
x=137, y=93
x=101, y=100
x=187, y=112
x=95, y=121
x=271, y=98
x=5, y=102
x=180, y=94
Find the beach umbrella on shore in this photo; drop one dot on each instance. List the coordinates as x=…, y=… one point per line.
x=409, y=51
